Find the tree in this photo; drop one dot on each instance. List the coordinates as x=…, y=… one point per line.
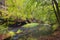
x=56, y=10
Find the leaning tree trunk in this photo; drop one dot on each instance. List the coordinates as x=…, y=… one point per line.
x=56, y=10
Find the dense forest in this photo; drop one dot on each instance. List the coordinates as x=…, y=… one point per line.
x=29, y=19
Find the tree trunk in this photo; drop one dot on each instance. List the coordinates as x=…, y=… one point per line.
x=56, y=10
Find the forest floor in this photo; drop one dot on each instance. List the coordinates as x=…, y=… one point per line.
x=54, y=36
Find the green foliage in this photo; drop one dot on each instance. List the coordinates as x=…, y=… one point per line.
x=11, y=33
x=41, y=10
x=54, y=27
x=14, y=8
x=3, y=29
x=22, y=9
